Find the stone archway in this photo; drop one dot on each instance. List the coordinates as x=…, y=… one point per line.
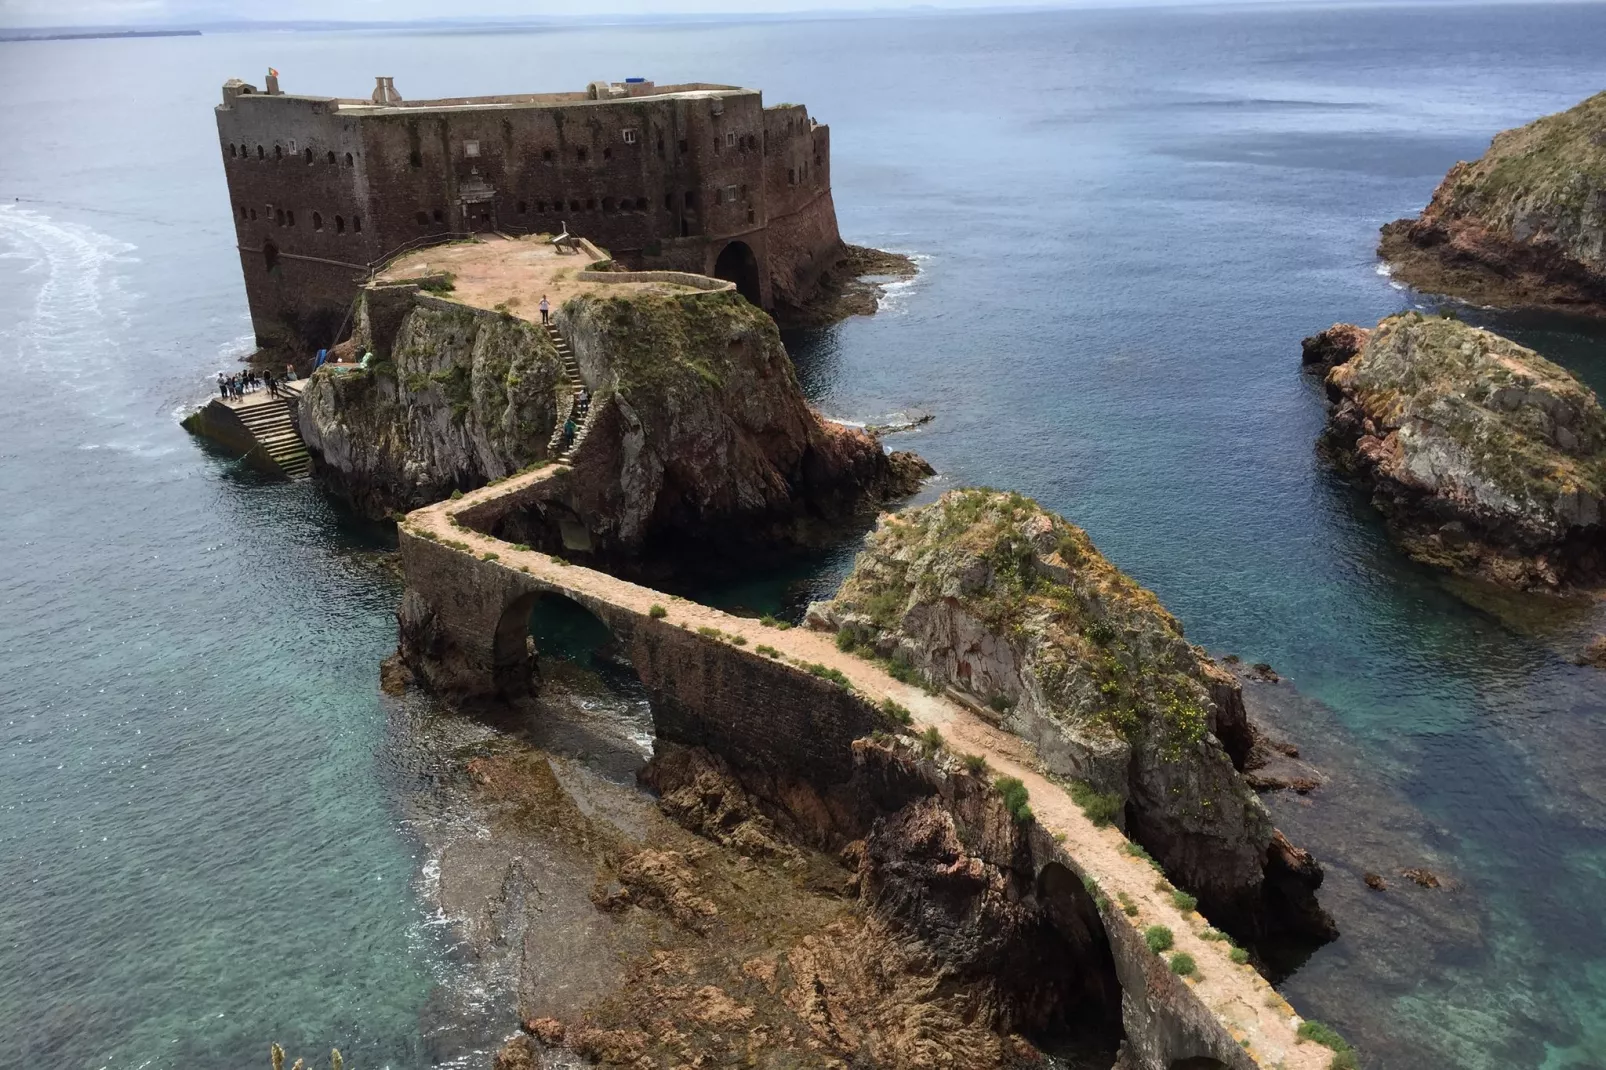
x=541, y=623
x=737, y=264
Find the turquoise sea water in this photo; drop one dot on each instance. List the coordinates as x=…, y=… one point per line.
x=1126, y=221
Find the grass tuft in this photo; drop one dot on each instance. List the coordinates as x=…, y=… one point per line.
x=1159, y=938
x=657, y=612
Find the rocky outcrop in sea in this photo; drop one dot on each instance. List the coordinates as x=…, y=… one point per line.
x=1484, y=457
x=990, y=594
x=1523, y=225
x=698, y=428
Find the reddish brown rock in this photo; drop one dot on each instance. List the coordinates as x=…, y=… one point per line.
x=1333, y=346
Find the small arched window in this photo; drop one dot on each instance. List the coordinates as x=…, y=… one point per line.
x=340, y=224
x=581, y=154
x=253, y=214
x=245, y=151
x=423, y=219
x=348, y=159
x=331, y=158
x=317, y=221
x=278, y=218
x=307, y=155
x=540, y=206
x=278, y=152
x=438, y=216
x=415, y=159
x=641, y=204
x=356, y=223
x=270, y=255
x=232, y=150
x=243, y=214
x=591, y=204
x=607, y=204
x=259, y=152
x=546, y=154
x=574, y=206
x=290, y=218
x=522, y=207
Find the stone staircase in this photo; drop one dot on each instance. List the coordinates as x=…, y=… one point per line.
x=571, y=369
x=272, y=424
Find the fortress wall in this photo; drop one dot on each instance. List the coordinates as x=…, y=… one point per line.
x=801, y=246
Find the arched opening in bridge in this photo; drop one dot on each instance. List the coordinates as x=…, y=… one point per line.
x=737, y=264
x=554, y=651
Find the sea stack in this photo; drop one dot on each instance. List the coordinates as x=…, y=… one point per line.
x=1523, y=225
x=990, y=595
x=1484, y=457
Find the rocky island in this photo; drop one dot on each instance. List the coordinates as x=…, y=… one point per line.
x=1523, y=225
x=1484, y=457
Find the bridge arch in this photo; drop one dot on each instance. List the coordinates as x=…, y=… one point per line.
x=737, y=264
x=546, y=623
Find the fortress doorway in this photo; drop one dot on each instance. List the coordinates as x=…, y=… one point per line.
x=737, y=264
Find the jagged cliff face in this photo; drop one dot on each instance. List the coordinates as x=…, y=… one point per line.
x=460, y=397
x=1525, y=224
x=1485, y=457
x=702, y=432
x=989, y=593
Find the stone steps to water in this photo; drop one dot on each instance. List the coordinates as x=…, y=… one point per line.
x=270, y=423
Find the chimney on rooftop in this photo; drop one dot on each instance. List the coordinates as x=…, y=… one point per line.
x=273, y=83
x=385, y=90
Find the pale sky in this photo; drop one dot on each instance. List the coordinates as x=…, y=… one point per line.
x=123, y=12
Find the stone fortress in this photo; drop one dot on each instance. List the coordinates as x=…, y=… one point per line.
x=696, y=177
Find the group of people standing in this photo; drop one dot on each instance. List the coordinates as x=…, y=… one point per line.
x=235, y=387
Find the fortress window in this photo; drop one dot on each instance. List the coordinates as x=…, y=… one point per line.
x=253, y=214
x=591, y=204
x=574, y=206
x=308, y=156
x=641, y=204
x=340, y=224
x=691, y=198
x=278, y=152
x=270, y=255
x=259, y=152
x=243, y=213
x=290, y=218
x=791, y=176
x=415, y=159
x=438, y=216
x=423, y=219
x=730, y=138
x=231, y=150
x=540, y=206
x=607, y=153
x=331, y=159
x=546, y=154
x=629, y=136
x=348, y=159
x=607, y=204
x=816, y=159
x=471, y=148
x=581, y=154
x=744, y=191
x=750, y=215
x=682, y=146
x=522, y=207
x=356, y=223
x=669, y=202
x=317, y=221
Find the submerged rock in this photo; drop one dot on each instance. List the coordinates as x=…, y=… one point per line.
x=1484, y=457
x=1525, y=224
x=990, y=594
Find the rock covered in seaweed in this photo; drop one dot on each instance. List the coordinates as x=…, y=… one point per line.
x=989, y=593
x=1485, y=457
x=1525, y=224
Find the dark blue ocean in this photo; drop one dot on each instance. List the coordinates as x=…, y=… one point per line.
x=1126, y=221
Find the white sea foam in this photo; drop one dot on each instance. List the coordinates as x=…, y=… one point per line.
x=1383, y=269
x=895, y=293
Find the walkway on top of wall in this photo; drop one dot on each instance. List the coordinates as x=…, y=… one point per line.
x=1256, y=1017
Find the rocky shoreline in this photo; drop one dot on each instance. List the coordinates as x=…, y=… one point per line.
x=1522, y=226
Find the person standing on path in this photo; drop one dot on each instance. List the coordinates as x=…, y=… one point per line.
x=545, y=309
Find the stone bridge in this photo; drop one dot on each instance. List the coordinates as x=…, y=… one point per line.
x=468, y=604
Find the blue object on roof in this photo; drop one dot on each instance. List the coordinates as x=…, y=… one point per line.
x=634, y=81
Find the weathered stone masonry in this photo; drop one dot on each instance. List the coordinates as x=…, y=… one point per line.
x=696, y=177
x=464, y=623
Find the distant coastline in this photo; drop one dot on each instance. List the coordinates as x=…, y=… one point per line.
x=92, y=34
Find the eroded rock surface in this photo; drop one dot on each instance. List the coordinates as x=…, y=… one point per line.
x=990, y=594
x=1525, y=224
x=1484, y=457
